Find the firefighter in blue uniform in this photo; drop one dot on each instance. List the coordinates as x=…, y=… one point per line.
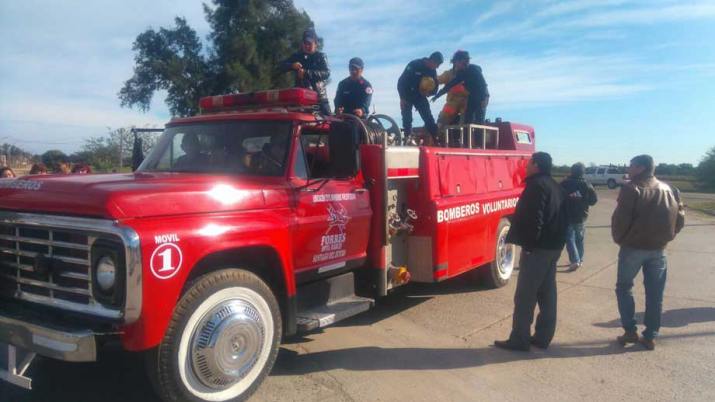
x=409, y=85
x=471, y=76
x=355, y=92
x=310, y=68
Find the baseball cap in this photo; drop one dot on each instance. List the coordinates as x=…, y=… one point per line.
x=356, y=62
x=460, y=55
x=310, y=35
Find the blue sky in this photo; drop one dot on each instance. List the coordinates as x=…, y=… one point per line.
x=600, y=80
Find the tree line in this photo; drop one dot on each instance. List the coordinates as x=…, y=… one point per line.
x=103, y=153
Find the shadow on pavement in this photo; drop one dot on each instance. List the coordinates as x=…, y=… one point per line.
x=118, y=376
x=121, y=376
x=672, y=318
x=377, y=358
x=414, y=294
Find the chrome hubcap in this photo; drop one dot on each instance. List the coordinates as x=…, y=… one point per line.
x=505, y=255
x=227, y=343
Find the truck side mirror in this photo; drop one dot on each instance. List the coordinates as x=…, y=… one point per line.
x=343, y=142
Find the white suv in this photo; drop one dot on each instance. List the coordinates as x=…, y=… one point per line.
x=612, y=176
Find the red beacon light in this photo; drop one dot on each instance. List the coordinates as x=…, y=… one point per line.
x=296, y=97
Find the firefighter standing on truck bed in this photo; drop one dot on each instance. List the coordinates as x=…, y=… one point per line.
x=456, y=103
x=310, y=67
x=471, y=76
x=413, y=93
x=355, y=92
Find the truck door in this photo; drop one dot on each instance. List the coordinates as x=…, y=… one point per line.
x=600, y=177
x=332, y=206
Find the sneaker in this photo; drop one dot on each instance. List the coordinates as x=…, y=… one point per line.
x=508, y=345
x=535, y=343
x=647, y=343
x=628, y=337
x=574, y=266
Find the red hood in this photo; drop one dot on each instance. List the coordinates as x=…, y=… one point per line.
x=122, y=196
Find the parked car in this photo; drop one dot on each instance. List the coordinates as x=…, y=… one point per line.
x=612, y=176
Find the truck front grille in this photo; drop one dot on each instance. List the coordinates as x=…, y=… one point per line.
x=49, y=265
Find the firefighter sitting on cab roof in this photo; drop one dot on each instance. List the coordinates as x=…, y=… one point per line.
x=355, y=92
x=310, y=67
x=471, y=76
x=414, y=87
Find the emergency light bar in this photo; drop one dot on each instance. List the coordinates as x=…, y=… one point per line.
x=279, y=97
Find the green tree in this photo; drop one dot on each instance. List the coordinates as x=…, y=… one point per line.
x=100, y=152
x=103, y=152
x=52, y=159
x=686, y=169
x=248, y=39
x=706, y=169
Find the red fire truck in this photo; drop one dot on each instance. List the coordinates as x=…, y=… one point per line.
x=252, y=221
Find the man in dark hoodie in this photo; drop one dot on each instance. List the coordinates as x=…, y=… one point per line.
x=310, y=68
x=539, y=227
x=580, y=195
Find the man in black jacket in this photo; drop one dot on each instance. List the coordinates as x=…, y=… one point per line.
x=471, y=76
x=579, y=196
x=408, y=86
x=539, y=227
x=310, y=68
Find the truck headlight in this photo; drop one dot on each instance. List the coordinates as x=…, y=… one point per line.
x=106, y=273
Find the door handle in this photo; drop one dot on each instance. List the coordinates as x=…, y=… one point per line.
x=359, y=190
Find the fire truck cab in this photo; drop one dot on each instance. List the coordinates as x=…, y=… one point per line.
x=252, y=221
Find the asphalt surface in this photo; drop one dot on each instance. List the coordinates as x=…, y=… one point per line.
x=432, y=342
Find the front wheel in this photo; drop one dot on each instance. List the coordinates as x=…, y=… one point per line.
x=612, y=184
x=498, y=272
x=221, y=342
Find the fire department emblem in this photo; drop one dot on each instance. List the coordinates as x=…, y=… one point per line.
x=337, y=217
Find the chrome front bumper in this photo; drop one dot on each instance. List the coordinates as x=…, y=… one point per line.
x=62, y=344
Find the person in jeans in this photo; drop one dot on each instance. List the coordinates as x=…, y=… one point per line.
x=580, y=195
x=649, y=214
x=539, y=227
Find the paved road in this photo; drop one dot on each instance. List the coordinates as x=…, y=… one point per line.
x=432, y=342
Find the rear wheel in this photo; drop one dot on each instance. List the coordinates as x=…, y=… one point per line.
x=221, y=342
x=611, y=184
x=498, y=272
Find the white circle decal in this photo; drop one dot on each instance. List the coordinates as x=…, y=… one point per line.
x=166, y=260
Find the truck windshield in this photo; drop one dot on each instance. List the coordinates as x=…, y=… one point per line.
x=239, y=147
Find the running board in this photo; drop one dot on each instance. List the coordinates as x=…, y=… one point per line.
x=328, y=301
x=322, y=316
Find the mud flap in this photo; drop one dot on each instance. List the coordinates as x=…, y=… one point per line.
x=12, y=371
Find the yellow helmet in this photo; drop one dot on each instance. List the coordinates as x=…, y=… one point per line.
x=427, y=86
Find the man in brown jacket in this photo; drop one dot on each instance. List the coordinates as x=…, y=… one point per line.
x=649, y=214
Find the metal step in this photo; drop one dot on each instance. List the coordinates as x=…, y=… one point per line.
x=328, y=301
x=322, y=316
